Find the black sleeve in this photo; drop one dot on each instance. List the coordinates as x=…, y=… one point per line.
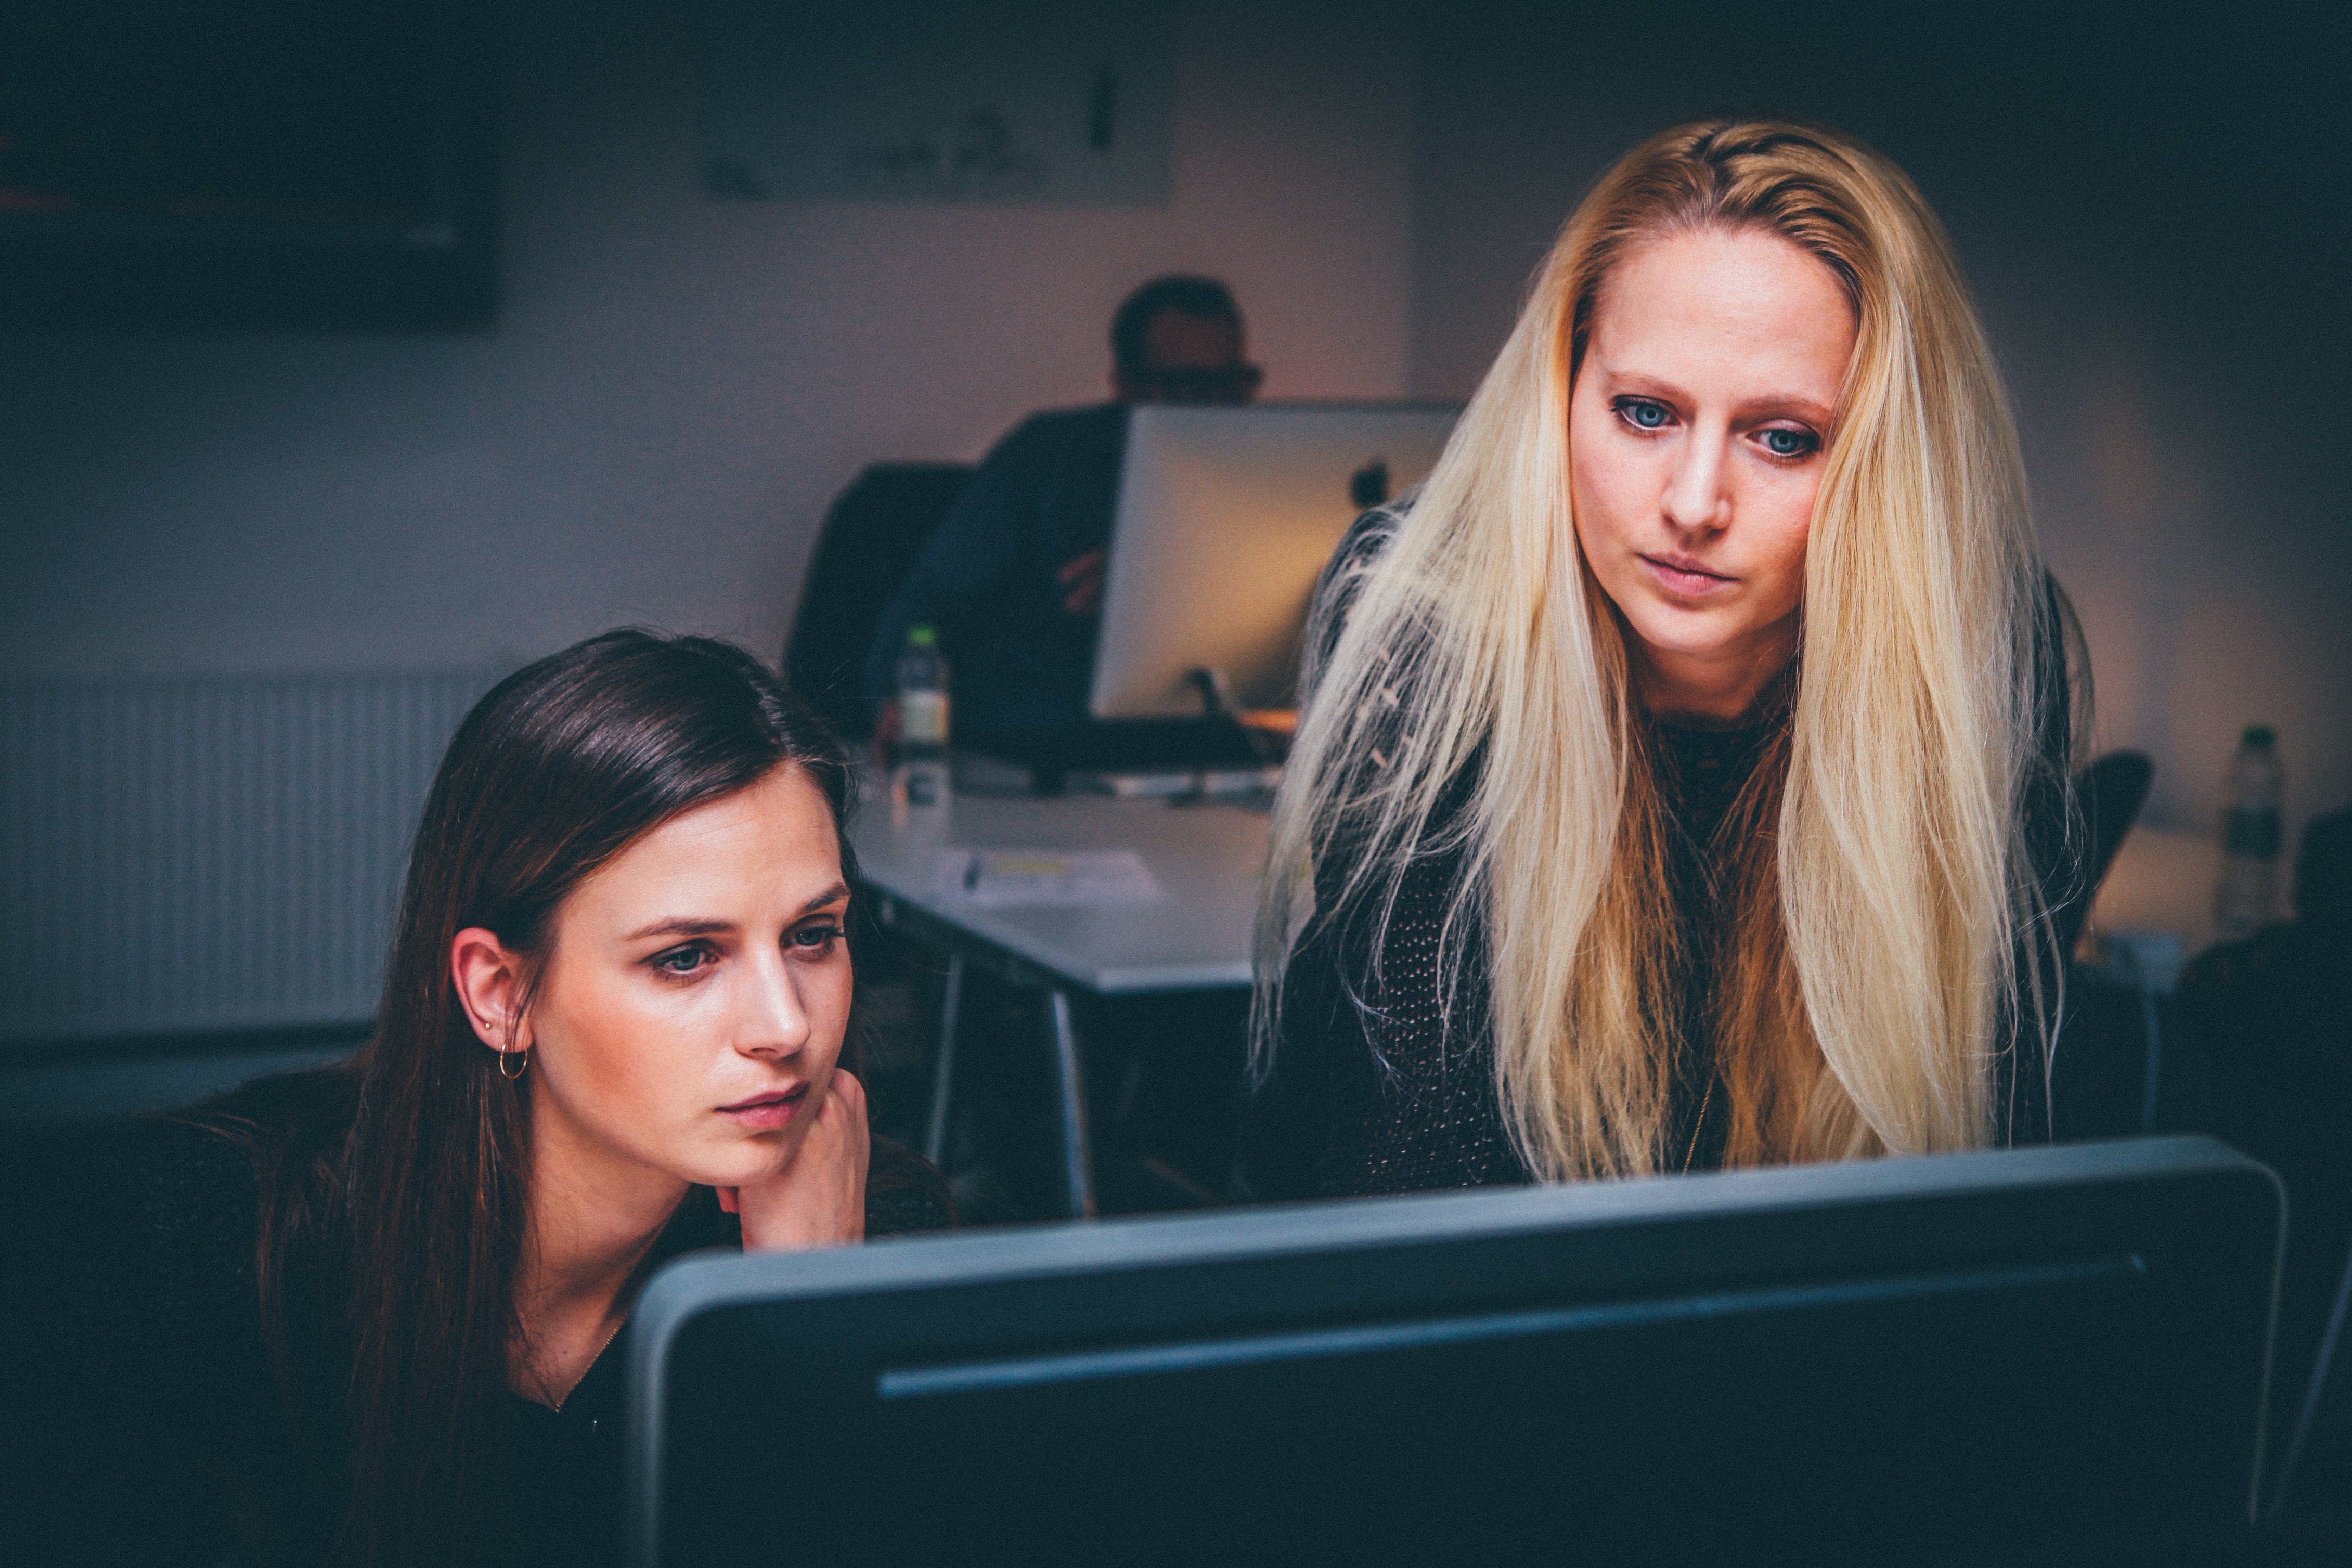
x=156, y=1434
x=1382, y=1076
x=904, y=1192
x=1285, y=1115
x=1285, y=1104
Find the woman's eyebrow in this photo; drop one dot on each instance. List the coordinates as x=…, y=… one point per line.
x=1642, y=384
x=679, y=925
x=1797, y=406
x=839, y=890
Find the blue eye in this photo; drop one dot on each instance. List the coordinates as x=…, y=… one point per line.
x=1788, y=442
x=682, y=960
x=1642, y=414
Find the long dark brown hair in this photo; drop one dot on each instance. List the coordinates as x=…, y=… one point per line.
x=558, y=769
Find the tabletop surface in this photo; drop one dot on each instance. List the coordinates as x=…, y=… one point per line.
x=1207, y=858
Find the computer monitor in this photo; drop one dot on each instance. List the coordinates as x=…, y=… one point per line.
x=1225, y=515
x=1886, y=1361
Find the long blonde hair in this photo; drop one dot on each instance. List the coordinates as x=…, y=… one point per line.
x=1476, y=703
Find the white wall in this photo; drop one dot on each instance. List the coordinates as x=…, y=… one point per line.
x=676, y=386
x=2184, y=429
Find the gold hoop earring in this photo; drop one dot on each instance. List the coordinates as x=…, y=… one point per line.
x=522, y=1059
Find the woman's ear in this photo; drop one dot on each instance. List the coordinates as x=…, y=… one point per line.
x=489, y=976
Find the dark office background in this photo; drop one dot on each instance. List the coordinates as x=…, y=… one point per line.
x=2151, y=202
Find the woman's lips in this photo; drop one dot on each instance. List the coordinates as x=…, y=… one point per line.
x=764, y=1113
x=1683, y=576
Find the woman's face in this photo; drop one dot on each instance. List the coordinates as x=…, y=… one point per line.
x=1696, y=425
x=696, y=991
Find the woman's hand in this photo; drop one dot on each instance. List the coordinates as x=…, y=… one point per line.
x=818, y=1200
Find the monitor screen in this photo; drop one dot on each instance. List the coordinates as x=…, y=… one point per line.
x=1225, y=517
x=1884, y=1361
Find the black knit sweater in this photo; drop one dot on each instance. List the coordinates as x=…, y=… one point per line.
x=1391, y=1098
x=155, y=1426
x=1382, y=1084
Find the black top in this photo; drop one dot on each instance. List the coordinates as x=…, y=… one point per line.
x=1393, y=1090
x=1019, y=662
x=1700, y=774
x=160, y=1432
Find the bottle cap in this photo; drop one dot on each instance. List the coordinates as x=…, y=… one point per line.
x=2260, y=737
x=920, y=637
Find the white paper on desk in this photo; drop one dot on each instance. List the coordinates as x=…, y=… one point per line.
x=1003, y=879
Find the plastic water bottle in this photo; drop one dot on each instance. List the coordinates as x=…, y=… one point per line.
x=920, y=778
x=2250, y=834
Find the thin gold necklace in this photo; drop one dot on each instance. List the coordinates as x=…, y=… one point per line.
x=574, y=1386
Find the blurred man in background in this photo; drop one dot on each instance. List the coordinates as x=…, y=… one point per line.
x=1013, y=579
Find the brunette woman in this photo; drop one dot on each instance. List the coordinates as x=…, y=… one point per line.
x=371, y=1315
x=1683, y=783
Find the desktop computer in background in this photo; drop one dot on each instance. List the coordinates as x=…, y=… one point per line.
x=1225, y=517
x=1945, y=1359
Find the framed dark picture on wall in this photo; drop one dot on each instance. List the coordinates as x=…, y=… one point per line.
x=271, y=164
x=1049, y=101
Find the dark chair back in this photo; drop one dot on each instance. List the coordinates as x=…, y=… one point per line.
x=2112, y=790
x=871, y=536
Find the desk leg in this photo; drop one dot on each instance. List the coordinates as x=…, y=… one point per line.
x=935, y=1138
x=1077, y=1164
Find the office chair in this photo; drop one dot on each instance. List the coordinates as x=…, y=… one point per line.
x=2114, y=1035
x=2112, y=790
x=871, y=534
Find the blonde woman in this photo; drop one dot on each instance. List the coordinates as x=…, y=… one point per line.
x=1682, y=781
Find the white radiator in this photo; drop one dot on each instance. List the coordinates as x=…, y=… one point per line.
x=208, y=853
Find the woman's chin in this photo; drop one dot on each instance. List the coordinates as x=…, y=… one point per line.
x=751, y=1161
x=1686, y=635
x=1702, y=633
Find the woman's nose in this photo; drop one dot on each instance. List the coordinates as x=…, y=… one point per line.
x=772, y=1020
x=1695, y=496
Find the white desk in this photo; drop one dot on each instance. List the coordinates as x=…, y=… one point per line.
x=2163, y=880
x=1207, y=858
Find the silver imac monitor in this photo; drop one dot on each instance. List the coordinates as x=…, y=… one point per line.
x=1225, y=515
x=2041, y=1354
